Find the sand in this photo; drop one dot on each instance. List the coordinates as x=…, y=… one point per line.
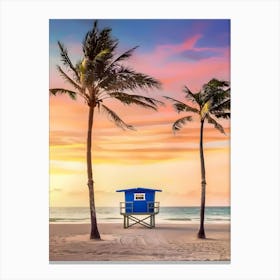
x=165, y=242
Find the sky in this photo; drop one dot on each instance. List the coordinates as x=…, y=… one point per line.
x=176, y=52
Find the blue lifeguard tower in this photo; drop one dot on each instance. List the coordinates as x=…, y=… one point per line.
x=139, y=201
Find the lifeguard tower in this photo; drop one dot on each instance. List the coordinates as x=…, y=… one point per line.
x=139, y=201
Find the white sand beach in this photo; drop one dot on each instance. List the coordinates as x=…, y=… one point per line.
x=165, y=242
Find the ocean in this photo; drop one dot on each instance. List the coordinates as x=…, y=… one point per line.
x=166, y=215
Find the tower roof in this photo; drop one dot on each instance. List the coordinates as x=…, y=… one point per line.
x=138, y=190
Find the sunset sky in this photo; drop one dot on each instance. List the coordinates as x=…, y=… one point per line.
x=176, y=52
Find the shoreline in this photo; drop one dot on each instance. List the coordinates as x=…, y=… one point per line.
x=165, y=242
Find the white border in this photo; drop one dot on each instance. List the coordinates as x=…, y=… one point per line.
x=254, y=147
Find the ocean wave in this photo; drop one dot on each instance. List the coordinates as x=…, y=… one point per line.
x=217, y=219
x=180, y=215
x=67, y=219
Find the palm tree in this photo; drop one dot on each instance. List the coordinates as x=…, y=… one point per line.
x=212, y=102
x=98, y=77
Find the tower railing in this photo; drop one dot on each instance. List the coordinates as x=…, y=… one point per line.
x=127, y=207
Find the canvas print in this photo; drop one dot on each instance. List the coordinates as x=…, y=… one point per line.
x=139, y=140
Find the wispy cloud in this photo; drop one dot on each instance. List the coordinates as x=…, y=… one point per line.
x=151, y=155
x=174, y=66
x=195, y=55
x=164, y=51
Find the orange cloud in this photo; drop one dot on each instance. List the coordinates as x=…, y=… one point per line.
x=151, y=155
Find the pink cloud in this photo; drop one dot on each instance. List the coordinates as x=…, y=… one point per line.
x=175, y=73
x=163, y=51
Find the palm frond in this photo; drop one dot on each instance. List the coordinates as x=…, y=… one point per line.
x=90, y=40
x=221, y=110
x=136, y=99
x=66, y=60
x=123, y=78
x=191, y=96
x=115, y=118
x=68, y=79
x=124, y=56
x=143, y=81
x=215, y=90
x=182, y=107
x=72, y=94
x=101, y=55
x=149, y=100
x=218, y=83
x=111, y=67
x=221, y=114
x=224, y=104
x=97, y=41
x=180, y=122
x=128, y=101
x=95, y=68
x=99, y=50
x=215, y=123
x=106, y=42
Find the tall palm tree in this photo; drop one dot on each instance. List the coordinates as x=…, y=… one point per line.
x=210, y=103
x=99, y=77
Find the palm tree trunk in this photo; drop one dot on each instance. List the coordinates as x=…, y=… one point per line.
x=201, y=233
x=94, y=233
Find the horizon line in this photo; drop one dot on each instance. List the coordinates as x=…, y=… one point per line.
x=160, y=206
